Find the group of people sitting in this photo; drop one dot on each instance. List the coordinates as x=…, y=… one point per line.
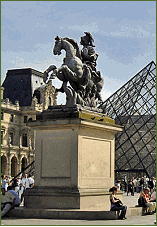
x=146, y=200
x=12, y=195
x=9, y=199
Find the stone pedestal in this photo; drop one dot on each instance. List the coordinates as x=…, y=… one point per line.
x=74, y=160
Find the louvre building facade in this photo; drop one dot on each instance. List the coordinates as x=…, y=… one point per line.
x=23, y=96
x=134, y=107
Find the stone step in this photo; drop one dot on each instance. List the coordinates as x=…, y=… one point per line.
x=22, y=212
x=134, y=211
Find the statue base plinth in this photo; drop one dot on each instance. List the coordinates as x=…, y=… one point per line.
x=74, y=162
x=65, y=198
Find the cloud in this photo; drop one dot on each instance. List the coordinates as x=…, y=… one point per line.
x=36, y=60
x=124, y=35
x=92, y=27
x=105, y=94
x=110, y=86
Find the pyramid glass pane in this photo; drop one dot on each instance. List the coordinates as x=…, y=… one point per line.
x=134, y=107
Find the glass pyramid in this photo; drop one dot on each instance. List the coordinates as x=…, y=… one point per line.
x=134, y=107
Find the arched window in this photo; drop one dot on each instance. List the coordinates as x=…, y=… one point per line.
x=49, y=101
x=2, y=133
x=37, y=94
x=3, y=128
x=11, y=134
x=3, y=165
x=2, y=116
x=13, y=166
x=24, y=140
x=23, y=163
x=25, y=119
x=12, y=118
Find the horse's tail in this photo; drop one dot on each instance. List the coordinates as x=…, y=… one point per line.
x=75, y=45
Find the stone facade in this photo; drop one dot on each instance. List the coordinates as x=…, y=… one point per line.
x=17, y=139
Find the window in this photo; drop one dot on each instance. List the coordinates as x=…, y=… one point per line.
x=2, y=116
x=11, y=137
x=37, y=94
x=24, y=140
x=3, y=128
x=25, y=119
x=49, y=102
x=2, y=134
x=12, y=118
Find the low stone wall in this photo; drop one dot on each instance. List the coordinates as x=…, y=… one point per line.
x=22, y=212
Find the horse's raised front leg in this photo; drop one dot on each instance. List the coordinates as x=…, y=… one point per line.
x=66, y=75
x=46, y=72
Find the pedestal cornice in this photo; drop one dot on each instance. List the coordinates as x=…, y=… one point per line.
x=67, y=117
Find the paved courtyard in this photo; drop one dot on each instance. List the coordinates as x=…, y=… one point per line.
x=128, y=200
x=137, y=220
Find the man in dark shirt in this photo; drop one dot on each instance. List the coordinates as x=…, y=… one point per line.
x=151, y=184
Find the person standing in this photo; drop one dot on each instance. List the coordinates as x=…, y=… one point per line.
x=135, y=184
x=23, y=180
x=26, y=182
x=21, y=191
x=17, y=186
x=151, y=184
x=131, y=187
x=147, y=179
x=22, y=188
x=141, y=184
x=153, y=196
x=118, y=184
x=7, y=183
x=4, y=182
x=31, y=181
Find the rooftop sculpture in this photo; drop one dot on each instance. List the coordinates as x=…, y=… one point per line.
x=79, y=69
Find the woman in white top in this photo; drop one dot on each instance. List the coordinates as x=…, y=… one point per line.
x=153, y=196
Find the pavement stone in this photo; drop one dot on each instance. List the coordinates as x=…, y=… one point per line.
x=137, y=220
x=129, y=200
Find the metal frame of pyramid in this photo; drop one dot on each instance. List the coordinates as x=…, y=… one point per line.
x=134, y=107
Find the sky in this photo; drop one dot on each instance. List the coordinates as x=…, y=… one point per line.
x=124, y=35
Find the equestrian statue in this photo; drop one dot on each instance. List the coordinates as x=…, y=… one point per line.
x=79, y=69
